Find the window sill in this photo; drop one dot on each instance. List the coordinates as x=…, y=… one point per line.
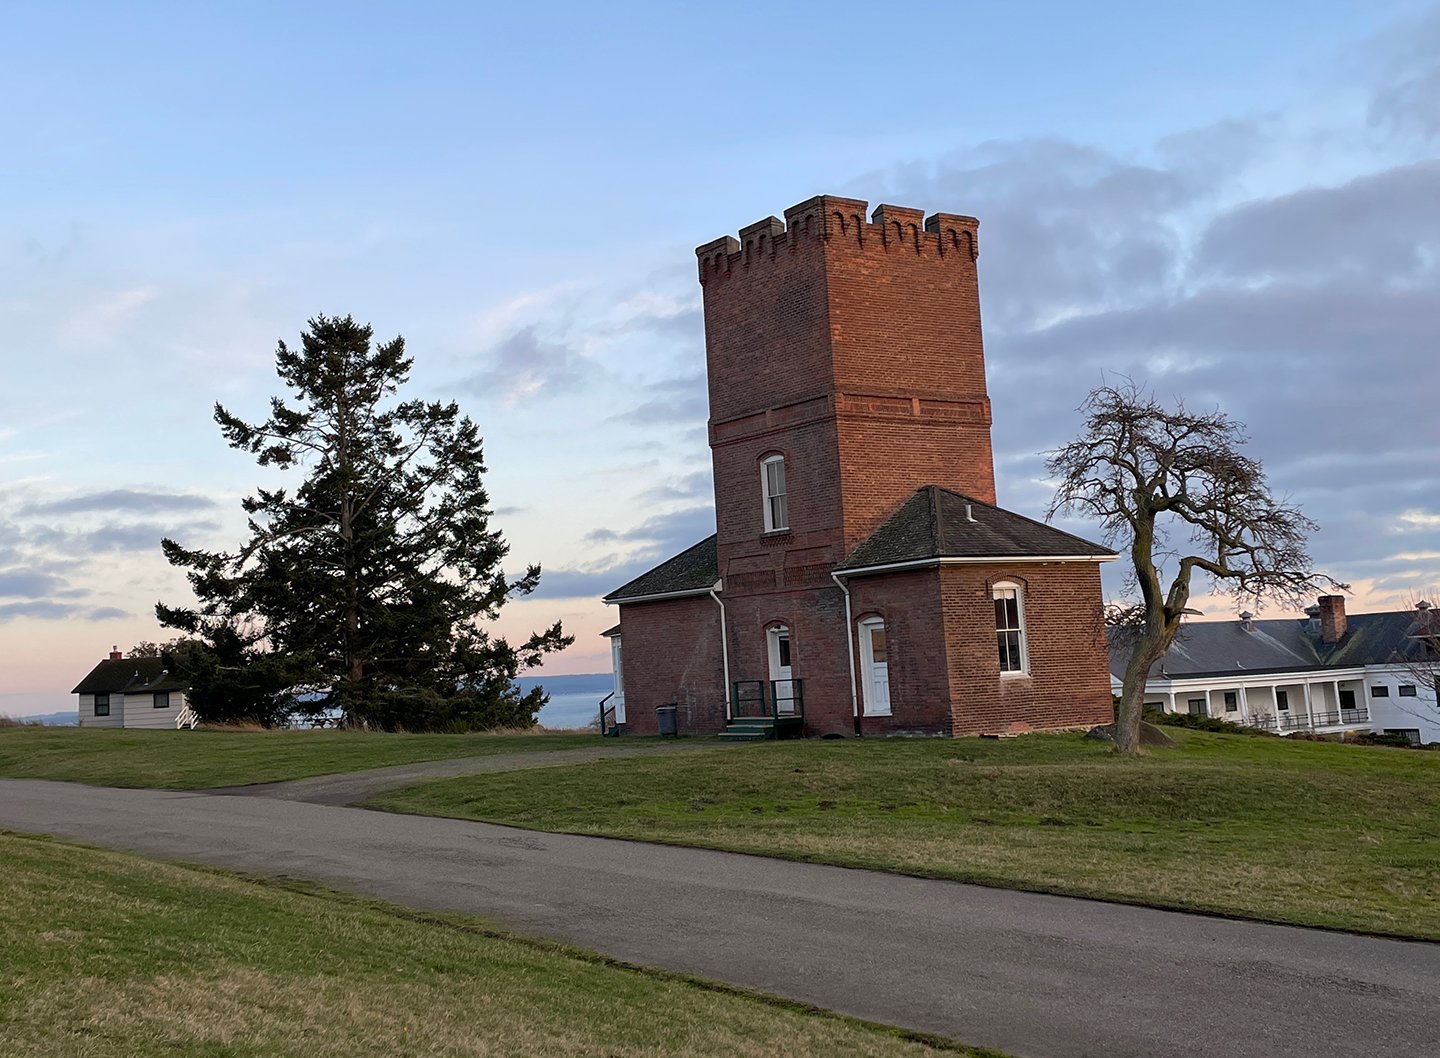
x=1014, y=675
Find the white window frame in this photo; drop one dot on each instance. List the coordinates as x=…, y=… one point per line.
x=767, y=499
x=998, y=591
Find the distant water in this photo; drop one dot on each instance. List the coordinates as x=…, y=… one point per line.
x=571, y=710
x=574, y=700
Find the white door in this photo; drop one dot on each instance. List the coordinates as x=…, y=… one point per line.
x=780, y=671
x=618, y=668
x=876, y=667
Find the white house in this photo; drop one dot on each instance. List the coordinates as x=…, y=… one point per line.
x=1326, y=672
x=133, y=692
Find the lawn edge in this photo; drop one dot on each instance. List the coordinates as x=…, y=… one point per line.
x=477, y=926
x=983, y=882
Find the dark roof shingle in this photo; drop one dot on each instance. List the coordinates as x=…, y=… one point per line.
x=695, y=569
x=1216, y=648
x=938, y=523
x=129, y=676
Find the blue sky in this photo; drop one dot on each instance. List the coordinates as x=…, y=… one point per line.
x=1239, y=203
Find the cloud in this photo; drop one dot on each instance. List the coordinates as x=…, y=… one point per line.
x=682, y=400
x=525, y=366
x=127, y=501
x=48, y=610
x=1380, y=226
x=32, y=584
x=1408, y=101
x=1411, y=520
x=139, y=536
x=1065, y=227
x=644, y=546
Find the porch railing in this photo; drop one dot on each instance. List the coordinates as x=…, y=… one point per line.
x=609, y=725
x=1343, y=716
x=1293, y=721
x=767, y=699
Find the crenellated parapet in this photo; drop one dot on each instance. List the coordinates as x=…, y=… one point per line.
x=841, y=221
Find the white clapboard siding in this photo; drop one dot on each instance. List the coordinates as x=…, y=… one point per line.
x=140, y=710
x=89, y=719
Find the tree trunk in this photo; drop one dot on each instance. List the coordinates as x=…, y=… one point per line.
x=1132, y=694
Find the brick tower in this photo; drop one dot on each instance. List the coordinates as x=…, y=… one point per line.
x=853, y=351
x=860, y=564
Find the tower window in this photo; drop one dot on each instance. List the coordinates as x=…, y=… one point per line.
x=772, y=485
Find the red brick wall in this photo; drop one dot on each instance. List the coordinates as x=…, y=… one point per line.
x=1069, y=680
x=816, y=619
x=915, y=646
x=671, y=652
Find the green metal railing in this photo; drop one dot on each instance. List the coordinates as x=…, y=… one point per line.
x=609, y=724
x=767, y=699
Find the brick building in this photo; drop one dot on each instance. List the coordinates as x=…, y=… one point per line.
x=861, y=578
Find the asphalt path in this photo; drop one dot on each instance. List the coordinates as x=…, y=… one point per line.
x=1035, y=976
x=350, y=788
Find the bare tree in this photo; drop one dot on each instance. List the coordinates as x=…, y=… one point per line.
x=1175, y=487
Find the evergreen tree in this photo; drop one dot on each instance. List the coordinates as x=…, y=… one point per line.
x=365, y=588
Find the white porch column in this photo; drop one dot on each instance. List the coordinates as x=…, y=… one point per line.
x=1275, y=705
x=1309, y=709
x=1244, y=704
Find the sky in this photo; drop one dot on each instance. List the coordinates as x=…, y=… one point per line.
x=1237, y=204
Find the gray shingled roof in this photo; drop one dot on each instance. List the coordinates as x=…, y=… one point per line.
x=938, y=523
x=694, y=569
x=1226, y=648
x=129, y=676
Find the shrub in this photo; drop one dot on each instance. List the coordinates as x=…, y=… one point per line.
x=1201, y=723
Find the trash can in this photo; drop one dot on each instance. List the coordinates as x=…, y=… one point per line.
x=667, y=720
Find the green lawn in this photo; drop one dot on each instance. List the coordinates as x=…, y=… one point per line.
x=1303, y=832
x=192, y=760
x=107, y=954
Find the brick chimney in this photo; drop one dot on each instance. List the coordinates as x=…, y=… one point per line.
x=115, y=654
x=1332, y=618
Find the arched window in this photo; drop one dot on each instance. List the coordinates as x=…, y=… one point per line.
x=1010, y=628
x=772, y=490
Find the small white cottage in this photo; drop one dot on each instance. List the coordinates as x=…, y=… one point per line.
x=132, y=692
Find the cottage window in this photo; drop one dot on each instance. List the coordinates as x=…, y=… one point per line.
x=102, y=705
x=1196, y=706
x=161, y=700
x=1232, y=702
x=772, y=488
x=1407, y=690
x=1282, y=700
x=1010, y=628
x=1380, y=690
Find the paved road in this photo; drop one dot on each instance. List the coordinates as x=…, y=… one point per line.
x=353, y=787
x=1033, y=975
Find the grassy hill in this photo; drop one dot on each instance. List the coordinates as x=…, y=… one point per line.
x=112, y=956
x=190, y=760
